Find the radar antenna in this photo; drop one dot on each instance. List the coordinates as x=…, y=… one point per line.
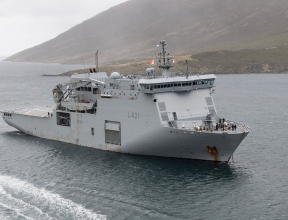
x=186, y=72
x=165, y=62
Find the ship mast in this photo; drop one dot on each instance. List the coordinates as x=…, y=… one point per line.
x=165, y=62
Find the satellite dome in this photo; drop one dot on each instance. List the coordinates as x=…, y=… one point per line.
x=115, y=75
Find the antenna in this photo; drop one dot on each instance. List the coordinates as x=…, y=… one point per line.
x=96, y=61
x=164, y=61
x=186, y=73
x=83, y=62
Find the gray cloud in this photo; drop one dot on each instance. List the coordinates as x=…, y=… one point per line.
x=25, y=24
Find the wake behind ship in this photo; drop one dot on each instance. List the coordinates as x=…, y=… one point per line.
x=169, y=116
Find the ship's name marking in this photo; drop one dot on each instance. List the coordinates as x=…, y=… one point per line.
x=134, y=115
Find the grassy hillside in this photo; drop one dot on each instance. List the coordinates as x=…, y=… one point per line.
x=266, y=60
x=132, y=29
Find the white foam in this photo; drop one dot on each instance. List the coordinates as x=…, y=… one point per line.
x=2, y=217
x=31, y=202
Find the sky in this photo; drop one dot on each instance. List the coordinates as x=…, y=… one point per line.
x=27, y=23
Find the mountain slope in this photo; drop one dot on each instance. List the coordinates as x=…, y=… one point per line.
x=132, y=30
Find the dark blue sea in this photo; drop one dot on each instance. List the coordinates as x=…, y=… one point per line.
x=43, y=179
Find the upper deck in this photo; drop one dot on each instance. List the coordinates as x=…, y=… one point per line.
x=174, y=84
x=40, y=111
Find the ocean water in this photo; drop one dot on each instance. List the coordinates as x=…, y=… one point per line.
x=43, y=179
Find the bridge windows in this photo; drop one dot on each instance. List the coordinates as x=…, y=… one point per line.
x=204, y=82
x=177, y=84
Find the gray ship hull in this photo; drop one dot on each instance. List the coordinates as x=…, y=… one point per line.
x=141, y=131
x=168, y=116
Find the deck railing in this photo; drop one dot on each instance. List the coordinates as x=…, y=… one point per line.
x=240, y=126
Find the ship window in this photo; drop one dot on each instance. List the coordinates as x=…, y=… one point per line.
x=168, y=86
x=179, y=84
x=111, y=84
x=95, y=90
x=146, y=87
x=175, y=85
x=89, y=89
x=165, y=85
x=211, y=82
x=158, y=86
x=162, y=86
x=164, y=116
x=190, y=84
x=92, y=131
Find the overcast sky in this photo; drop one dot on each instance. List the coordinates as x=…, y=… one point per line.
x=27, y=23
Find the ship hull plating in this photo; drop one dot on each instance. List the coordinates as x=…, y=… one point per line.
x=141, y=132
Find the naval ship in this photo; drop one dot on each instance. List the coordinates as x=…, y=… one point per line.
x=168, y=115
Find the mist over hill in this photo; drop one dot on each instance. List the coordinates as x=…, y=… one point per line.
x=131, y=30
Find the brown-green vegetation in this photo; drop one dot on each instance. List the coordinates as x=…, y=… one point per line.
x=266, y=60
x=132, y=29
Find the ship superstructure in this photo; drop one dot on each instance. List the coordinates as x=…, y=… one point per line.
x=170, y=116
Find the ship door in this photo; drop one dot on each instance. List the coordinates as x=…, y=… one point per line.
x=113, y=132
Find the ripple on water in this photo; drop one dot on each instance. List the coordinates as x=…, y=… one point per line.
x=22, y=199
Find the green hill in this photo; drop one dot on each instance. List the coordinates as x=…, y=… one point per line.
x=130, y=31
x=267, y=60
